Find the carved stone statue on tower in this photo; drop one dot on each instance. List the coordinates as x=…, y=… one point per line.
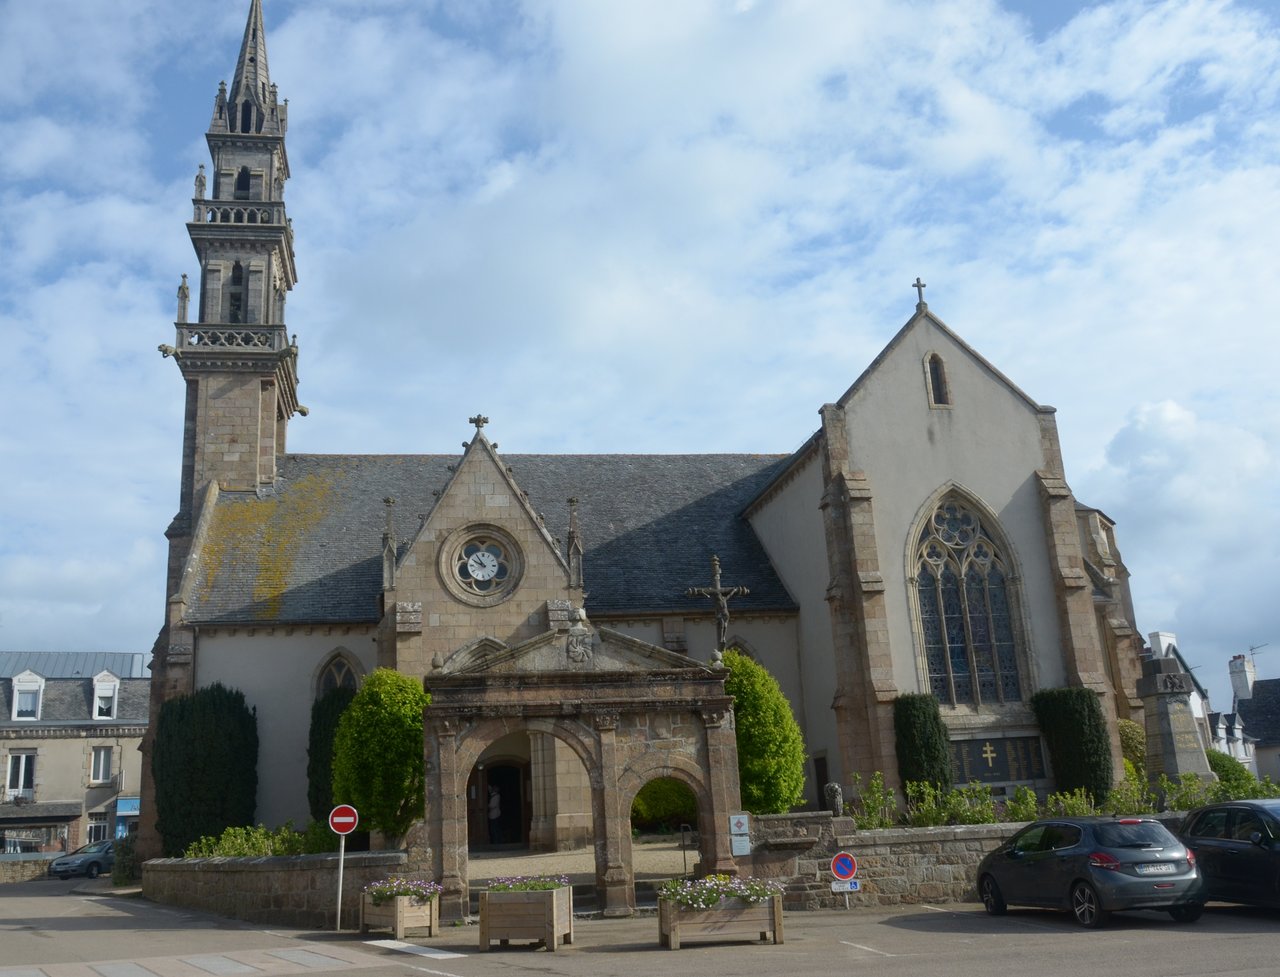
x=184, y=298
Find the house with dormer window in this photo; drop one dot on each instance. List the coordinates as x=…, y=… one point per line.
x=70, y=728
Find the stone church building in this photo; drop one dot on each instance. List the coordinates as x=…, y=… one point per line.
x=924, y=538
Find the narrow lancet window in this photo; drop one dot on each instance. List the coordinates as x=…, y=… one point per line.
x=939, y=394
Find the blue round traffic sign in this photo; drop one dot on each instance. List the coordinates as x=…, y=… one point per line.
x=844, y=866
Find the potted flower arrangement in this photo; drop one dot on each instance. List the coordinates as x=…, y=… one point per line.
x=527, y=908
x=719, y=905
x=398, y=904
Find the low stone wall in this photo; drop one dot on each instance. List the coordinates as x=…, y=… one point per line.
x=895, y=865
x=299, y=891
x=24, y=868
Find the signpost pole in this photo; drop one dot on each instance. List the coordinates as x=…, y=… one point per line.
x=342, y=821
x=342, y=855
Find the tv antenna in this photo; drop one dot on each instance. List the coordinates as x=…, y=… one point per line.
x=1254, y=649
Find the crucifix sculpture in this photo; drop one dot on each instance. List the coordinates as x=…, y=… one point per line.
x=721, y=596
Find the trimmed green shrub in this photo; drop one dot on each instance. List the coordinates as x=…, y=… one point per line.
x=1023, y=805
x=875, y=807
x=920, y=737
x=1076, y=733
x=1069, y=804
x=127, y=868
x=1188, y=792
x=325, y=714
x=1131, y=795
x=770, y=746
x=377, y=753
x=971, y=804
x=205, y=766
x=260, y=841
x=1234, y=779
x=1133, y=743
x=663, y=805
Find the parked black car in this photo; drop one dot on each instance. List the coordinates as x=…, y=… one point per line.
x=91, y=860
x=1092, y=866
x=1237, y=846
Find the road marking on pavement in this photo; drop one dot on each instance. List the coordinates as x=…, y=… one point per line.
x=869, y=949
x=422, y=951
x=438, y=973
x=219, y=965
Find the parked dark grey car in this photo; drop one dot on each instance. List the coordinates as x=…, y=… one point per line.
x=1091, y=867
x=91, y=860
x=1237, y=846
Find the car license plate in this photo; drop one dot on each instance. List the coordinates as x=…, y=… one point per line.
x=1157, y=868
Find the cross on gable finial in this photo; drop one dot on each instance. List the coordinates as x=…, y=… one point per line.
x=919, y=286
x=479, y=421
x=721, y=596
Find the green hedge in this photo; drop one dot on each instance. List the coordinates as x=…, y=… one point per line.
x=325, y=713
x=1075, y=731
x=923, y=748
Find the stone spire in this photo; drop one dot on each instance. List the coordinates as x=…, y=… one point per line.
x=251, y=104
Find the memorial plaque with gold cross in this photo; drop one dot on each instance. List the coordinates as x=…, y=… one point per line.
x=997, y=759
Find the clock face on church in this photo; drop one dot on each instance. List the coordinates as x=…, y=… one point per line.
x=480, y=565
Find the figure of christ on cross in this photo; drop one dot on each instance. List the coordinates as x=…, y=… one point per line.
x=721, y=596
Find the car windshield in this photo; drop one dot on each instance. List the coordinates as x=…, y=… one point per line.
x=97, y=846
x=1142, y=834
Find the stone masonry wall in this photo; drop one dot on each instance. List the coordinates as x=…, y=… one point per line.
x=896, y=865
x=299, y=891
x=24, y=868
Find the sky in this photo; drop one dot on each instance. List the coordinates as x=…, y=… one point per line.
x=658, y=226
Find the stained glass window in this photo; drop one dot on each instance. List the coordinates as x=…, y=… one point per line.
x=969, y=646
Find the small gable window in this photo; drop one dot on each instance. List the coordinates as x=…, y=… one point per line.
x=28, y=690
x=936, y=377
x=106, y=690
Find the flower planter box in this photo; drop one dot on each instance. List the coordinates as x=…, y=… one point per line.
x=536, y=914
x=731, y=918
x=400, y=913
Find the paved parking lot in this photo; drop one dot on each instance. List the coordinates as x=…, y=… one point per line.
x=72, y=929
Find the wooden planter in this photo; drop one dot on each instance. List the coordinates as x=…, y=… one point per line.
x=400, y=913
x=732, y=918
x=538, y=914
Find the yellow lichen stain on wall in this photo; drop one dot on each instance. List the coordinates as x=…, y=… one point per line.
x=265, y=534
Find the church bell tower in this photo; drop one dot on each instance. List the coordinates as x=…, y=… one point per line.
x=238, y=362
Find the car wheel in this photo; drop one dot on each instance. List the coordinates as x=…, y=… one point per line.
x=1086, y=907
x=1188, y=913
x=992, y=897
x=92, y=871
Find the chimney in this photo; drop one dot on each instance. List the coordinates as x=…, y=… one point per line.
x=1163, y=644
x=1241, y=669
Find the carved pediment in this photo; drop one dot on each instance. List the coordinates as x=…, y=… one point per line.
x=595, y=650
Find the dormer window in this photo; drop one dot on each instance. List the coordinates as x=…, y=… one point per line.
x=28, y=690
x=106, y=690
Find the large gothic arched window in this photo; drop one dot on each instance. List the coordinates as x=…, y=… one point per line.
x=966, y=616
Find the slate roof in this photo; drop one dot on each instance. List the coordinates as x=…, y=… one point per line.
x=68, y=702
x=311, y=552
x=1261, y=713
x=70, y=664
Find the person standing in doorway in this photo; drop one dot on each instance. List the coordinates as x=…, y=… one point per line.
x=495, y=816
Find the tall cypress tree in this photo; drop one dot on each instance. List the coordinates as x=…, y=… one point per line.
x=205, y=766
x=325, y=713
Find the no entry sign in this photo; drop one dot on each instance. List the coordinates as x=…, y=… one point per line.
x=343, y=819
x=844, y=867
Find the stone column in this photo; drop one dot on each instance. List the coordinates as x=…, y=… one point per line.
x=1173, y=745
x=613, y=876
x=447, y=824
x=725, y=791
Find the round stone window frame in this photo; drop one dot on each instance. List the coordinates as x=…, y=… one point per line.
x=446, y=564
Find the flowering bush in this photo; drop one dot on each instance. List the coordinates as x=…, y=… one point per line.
x=384, y=890
x=527, y=883
x=706, y=893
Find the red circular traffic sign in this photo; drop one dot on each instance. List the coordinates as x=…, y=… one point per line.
x=844, y=866
x=343, y=819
